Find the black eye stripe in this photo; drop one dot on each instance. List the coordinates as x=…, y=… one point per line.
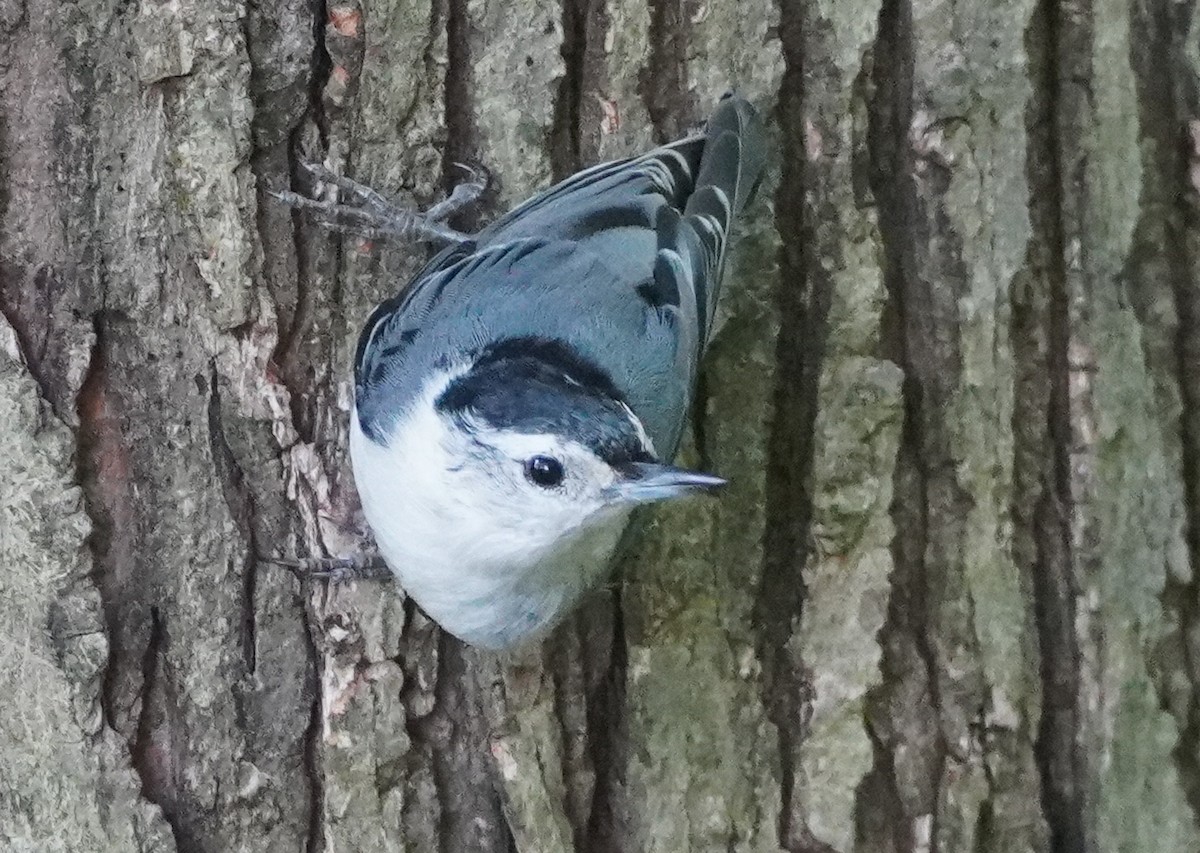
x=544, y=471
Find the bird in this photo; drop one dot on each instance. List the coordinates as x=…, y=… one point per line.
x=530, y=386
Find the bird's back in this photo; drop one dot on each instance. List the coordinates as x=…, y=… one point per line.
x=618, y=266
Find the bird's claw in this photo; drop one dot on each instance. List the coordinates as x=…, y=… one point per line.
x=367, y=213
x=335, y=569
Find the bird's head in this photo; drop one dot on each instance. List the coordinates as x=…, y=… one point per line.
x=514, y=459
x=551, y=449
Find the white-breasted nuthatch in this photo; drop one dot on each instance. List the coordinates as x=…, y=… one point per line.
x=528, y=388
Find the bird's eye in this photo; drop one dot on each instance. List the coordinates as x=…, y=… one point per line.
x=544, y=471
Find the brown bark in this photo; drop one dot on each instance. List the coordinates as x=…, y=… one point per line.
x=949, y=603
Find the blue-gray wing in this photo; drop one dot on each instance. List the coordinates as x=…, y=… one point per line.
x=621, y=262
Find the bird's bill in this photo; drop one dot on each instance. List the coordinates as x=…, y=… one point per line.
x=654, y=481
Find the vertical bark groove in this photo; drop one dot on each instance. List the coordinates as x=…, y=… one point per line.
x=104, y=466
x=240, y=502
x=565, y=155
x=803, y=296
x=604, y=682
x=903, y=711
x=290, y=356
x=1055, y=588
x=155, y=753
x=663, y=82
x=1185, y=597
x=462, y=135
x=471, y=815
x=314, y=837
x=574, y=139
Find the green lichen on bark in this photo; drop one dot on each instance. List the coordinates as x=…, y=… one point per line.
x=1131, y=423
x=514, y=112
x=702, y=769
x=973, y=92
x=847, y=575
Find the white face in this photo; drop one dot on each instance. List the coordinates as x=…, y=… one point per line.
x=463, y=520
x=532, y=490
x=515, y=495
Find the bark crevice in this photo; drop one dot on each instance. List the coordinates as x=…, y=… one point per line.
x=803, y=294
x=608, y=726
x=472, y=814
x=663, y=82
x=240, y=502
x=157, y=755
x=565, y=154
x=104, y=465
x=575, y=134
x=462, y=131
x=313, y=765
x=1054, y=585
x=289, y=352
x=902, y=713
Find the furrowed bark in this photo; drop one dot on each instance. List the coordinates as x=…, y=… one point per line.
x=947, y=602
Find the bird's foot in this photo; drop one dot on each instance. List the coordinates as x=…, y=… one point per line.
x=463, y=195
x=366, y=213
x=368, y=567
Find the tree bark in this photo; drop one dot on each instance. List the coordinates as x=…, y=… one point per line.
x=950, y=601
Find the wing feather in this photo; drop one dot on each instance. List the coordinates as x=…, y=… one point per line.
x=622, y=261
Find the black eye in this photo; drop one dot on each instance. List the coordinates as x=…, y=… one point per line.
x=544, y=471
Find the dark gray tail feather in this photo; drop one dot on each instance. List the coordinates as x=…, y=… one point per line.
x=735, y=170
x=731, y=168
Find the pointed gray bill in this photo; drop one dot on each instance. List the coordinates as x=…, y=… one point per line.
x=655, y=481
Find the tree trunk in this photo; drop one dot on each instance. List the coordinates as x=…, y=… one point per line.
x=949, y=602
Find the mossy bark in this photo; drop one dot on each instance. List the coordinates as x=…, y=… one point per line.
x=949, y=602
